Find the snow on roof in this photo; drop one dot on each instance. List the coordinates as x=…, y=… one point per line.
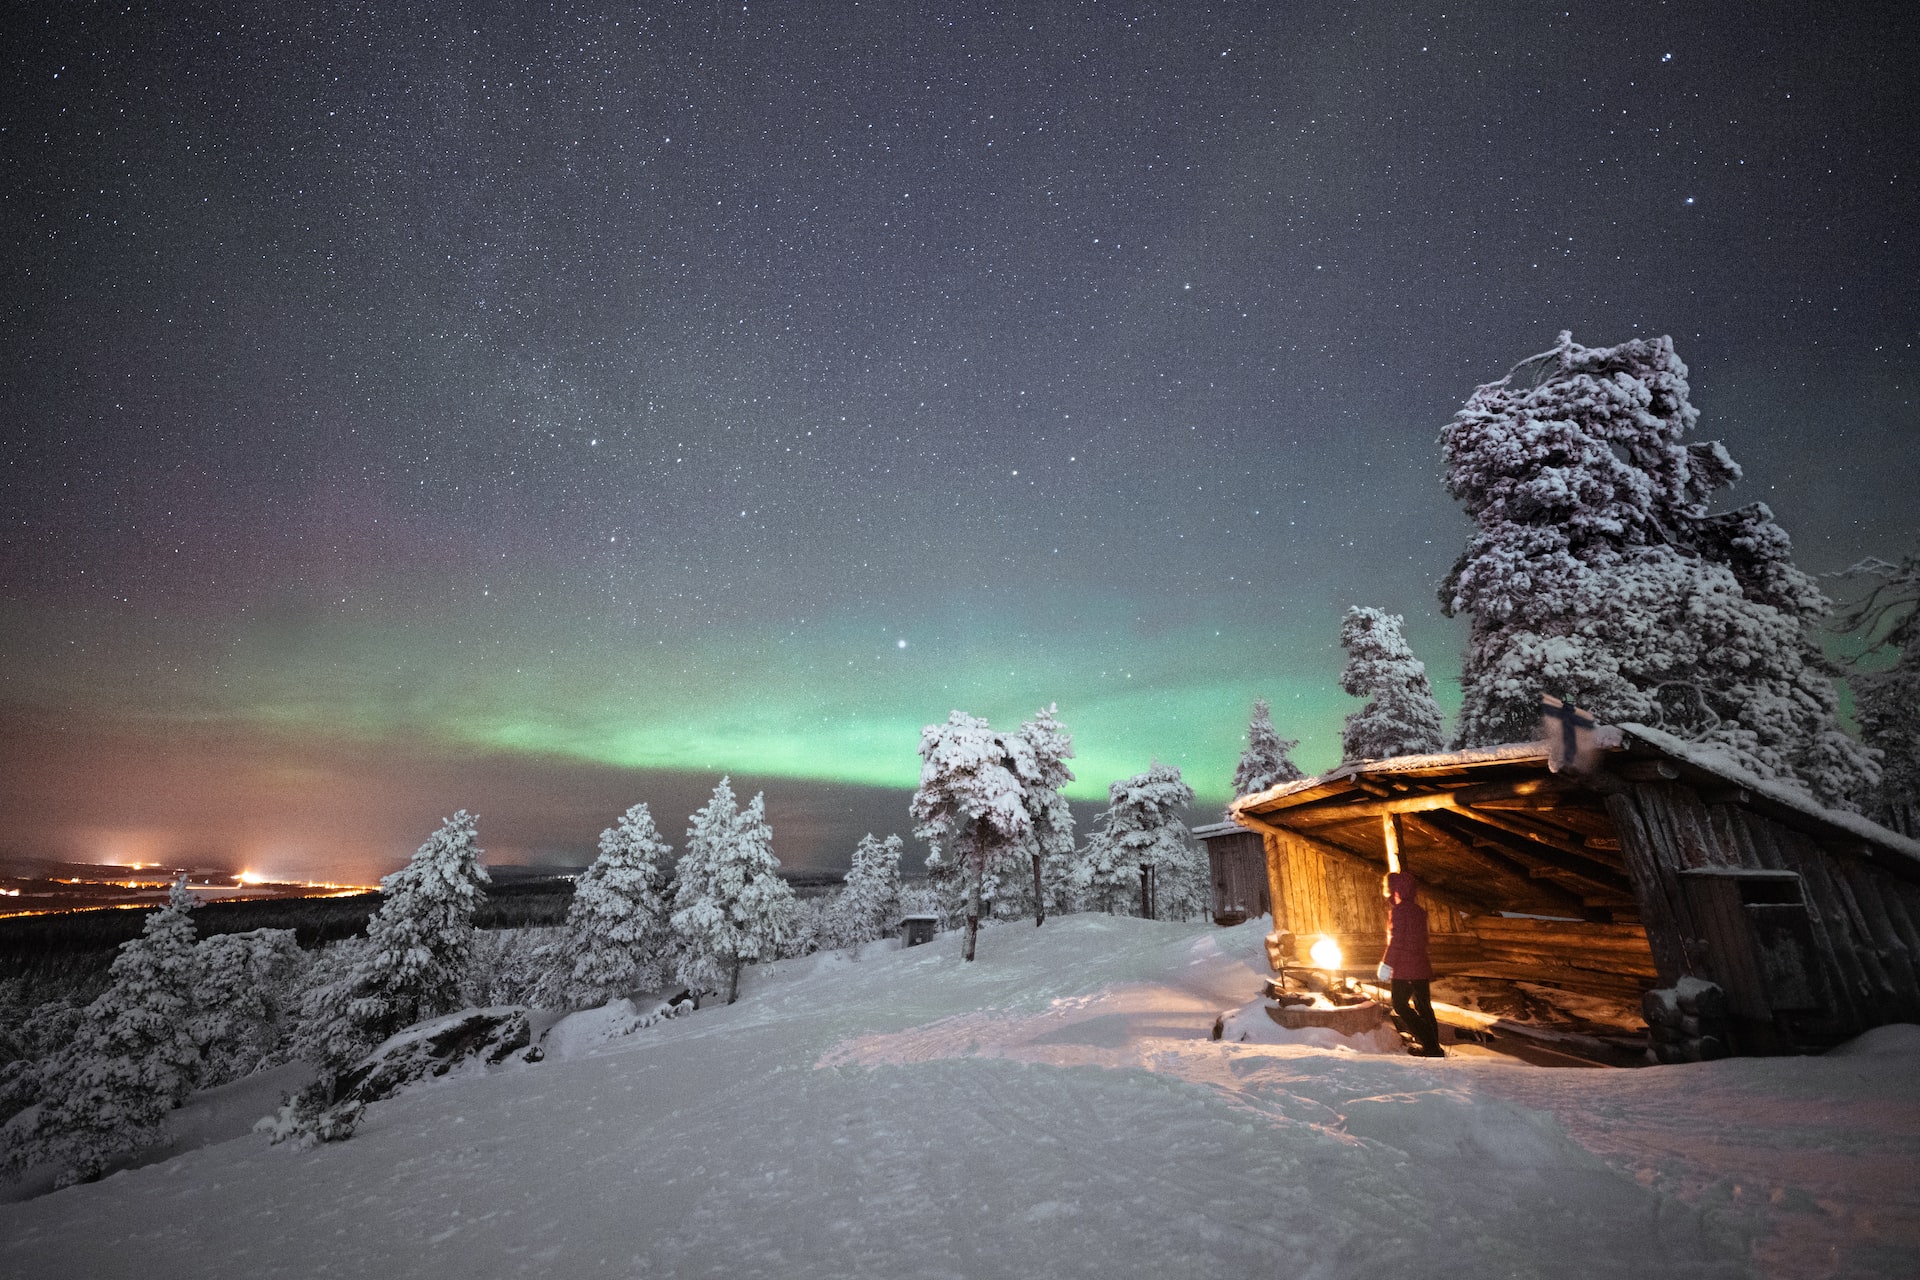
x=1435, y=762
x=1611, y=738
x=1784, y=795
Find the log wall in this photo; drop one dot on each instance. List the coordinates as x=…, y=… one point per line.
x=1712, y=913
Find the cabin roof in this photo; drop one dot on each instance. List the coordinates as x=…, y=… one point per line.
x=1497, y=828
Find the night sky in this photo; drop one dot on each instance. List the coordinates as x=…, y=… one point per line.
x=539, y=409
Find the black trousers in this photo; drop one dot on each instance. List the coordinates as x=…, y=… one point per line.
x=1413, y=1007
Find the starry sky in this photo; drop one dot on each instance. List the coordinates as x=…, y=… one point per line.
x=541, y=408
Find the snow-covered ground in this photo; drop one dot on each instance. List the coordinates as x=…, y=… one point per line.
x=1055, y=1109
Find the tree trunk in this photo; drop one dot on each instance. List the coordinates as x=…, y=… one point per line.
x=1146, y=891
x=973, y=907
x=1039, y=903
x=733, y=981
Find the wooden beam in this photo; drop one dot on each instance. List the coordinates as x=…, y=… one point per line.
x=1604, y=886
x=1325, y=811
x=1318, y=842
x=1564, y=841
x=1512, y=873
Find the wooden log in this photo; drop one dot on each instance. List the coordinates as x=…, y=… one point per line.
x=1512, y=859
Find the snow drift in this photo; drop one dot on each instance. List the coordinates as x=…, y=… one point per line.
x=1057, y=1108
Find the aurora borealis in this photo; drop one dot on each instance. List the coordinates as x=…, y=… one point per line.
x=539, y=410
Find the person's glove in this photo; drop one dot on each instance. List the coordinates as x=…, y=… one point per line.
x=1385, y=971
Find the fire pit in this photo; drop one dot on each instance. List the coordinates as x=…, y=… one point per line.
x=1338, y=1011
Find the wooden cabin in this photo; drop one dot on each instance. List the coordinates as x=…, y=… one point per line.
x=1648, y=861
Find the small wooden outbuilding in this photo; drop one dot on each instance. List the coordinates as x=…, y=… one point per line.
x=1647, y=861
x=1237, y=871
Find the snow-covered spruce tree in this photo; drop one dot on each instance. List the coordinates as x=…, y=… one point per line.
x=132, y=1060
x=1268, y=759
x=1038, y=875
x=1141, y=860
x=1887, y=699
x=1401, y=717
x=969, y=809
x=1597, y=573
x=731, y=905
x=244, y=999
x=868, y=905
x=620, y=921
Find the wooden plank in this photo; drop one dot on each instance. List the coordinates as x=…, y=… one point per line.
x=1872, y=958
x=1669, y=923
x=1851, y=986
x=1869, y=892
x=1277, y=880
x=1729, y=952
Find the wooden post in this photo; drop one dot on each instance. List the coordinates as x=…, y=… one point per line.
x=1390, y=835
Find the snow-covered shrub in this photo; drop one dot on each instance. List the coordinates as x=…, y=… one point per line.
x=1597, y=573
x=1401, y=717
x=508, y=966
x=619, y=925
x=1268, y=759
x=730, y=904
x=1142, y=849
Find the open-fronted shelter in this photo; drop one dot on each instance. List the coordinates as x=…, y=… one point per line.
x=1652, y=861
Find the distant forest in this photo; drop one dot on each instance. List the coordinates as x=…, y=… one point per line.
x=74, y=948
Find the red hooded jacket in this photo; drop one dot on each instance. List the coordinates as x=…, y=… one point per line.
x=1407, y=930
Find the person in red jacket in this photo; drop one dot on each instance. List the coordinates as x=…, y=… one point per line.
x=1406, y=964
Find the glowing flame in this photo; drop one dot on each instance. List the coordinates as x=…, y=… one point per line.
x=251, y=877
x=1325, y=954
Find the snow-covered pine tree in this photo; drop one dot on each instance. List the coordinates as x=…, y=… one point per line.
x=244, y=1000
x=620, y=920
x=417, y=943
x=1268, y=759
x=1141, y=859
x=1038, y=754
x=1887, y=698
x=1401, y=717
x=731, y=905
x=868, y=905
x=969, y=808
x=1596, y=572
x=132, y=1060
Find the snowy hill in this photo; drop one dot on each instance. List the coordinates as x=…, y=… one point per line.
x=1055, y=1109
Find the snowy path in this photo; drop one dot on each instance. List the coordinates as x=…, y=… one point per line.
x=1054, y=1110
